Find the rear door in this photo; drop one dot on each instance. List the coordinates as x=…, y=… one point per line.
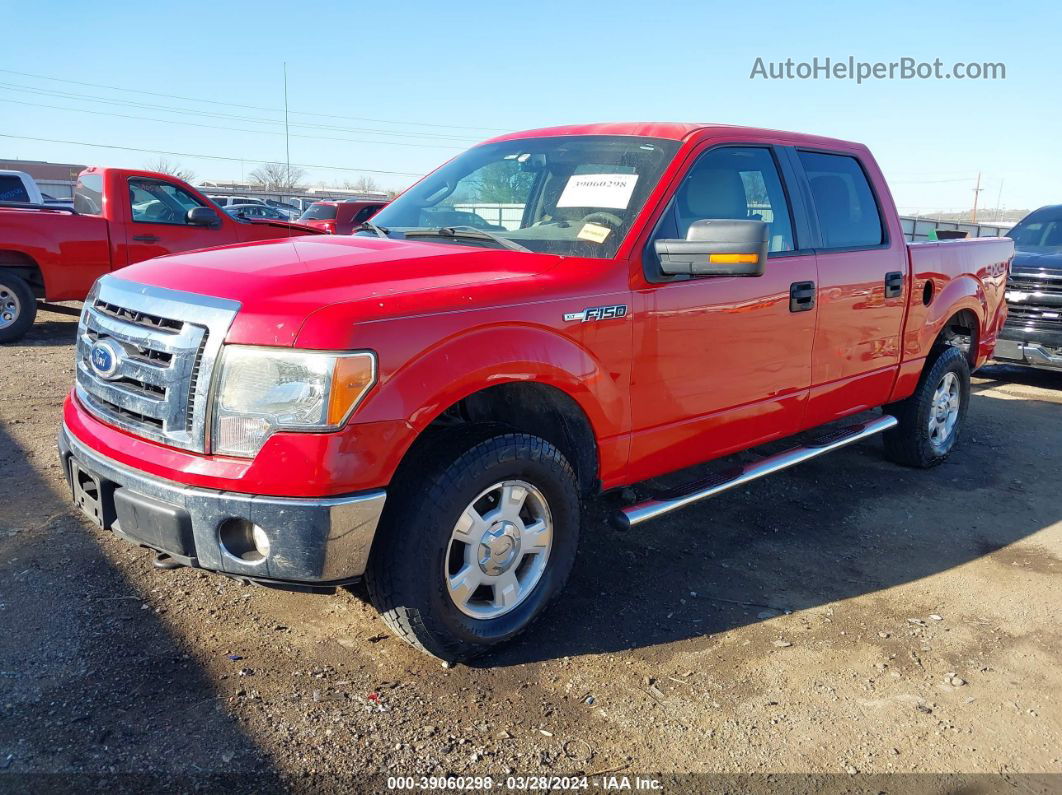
x=862, y=284
x=158, y=225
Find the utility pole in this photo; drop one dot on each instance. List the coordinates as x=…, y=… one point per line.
x=977, y=193
x=999, y=202
x=287, y=140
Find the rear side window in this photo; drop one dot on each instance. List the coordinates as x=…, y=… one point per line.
x=843, y=201
x=88, y=194
x=365, y=213
x=12, y=189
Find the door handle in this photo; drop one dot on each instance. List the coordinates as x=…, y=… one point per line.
x=801, y=296
x=893, y=284
x=145, y=238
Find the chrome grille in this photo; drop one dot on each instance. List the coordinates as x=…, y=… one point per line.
x=165, y=343
x=1034, y=300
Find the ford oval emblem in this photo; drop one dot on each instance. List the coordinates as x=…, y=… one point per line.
x=105, y=357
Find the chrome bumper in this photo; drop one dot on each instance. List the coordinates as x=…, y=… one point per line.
x=314, y=541
x=1027, y=353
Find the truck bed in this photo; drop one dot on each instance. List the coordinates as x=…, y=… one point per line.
x=71, y=250
x=957, y=274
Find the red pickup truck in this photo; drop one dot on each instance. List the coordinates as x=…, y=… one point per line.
x=119, y=217
x=340, y=217
x=425, y=405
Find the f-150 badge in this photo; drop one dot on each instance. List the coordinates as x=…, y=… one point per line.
x=597, y=313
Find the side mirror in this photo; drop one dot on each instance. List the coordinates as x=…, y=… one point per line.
x=716, y=247
x=202, y=216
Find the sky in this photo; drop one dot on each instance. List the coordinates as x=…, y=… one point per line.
x=391, y=90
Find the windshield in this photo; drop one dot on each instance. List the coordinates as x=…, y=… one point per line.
x=1040, y=230
x=319, y=212
x=569, y=195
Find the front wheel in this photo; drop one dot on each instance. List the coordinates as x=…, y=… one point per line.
x=18, y=307
x=479, y=549
x=930, y=420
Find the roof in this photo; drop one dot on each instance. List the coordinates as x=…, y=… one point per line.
x=677, y=131
x=672, y=130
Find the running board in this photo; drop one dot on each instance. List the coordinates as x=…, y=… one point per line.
x=651, y=509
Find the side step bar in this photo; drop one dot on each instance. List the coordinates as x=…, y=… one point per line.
x=651, y=509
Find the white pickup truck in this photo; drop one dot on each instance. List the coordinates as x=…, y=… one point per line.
x=18, y=186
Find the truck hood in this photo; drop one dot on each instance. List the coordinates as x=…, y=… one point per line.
x=1038, y=258
x=280, y=283
x=302, y=227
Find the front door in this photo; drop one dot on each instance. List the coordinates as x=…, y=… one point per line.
x=158, y=225
x=722, y=363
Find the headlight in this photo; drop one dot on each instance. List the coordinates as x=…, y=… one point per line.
x=261, y=390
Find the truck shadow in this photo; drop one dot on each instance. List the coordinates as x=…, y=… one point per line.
x=95, y=687
x=999, y=373
x=51, y=329
x=844, y=525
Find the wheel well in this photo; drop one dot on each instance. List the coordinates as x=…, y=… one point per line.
x=24, y=266
x=537, y=409
x=961, y=331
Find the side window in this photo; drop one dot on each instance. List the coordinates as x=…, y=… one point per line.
x=365, y=213
x=732, y=182
x=155, y=202
x=844, y=203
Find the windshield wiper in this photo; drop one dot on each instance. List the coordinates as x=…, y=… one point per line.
x=369, y=226
x=466, y=231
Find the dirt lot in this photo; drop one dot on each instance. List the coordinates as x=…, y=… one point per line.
x=845, y=617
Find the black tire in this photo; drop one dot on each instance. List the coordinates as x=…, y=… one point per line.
x=910, y=443
x=408, y=568
x=18, y=307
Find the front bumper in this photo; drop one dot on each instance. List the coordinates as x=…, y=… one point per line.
x=314, y=541
x=1028, y=353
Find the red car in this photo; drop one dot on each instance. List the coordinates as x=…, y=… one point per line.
x=426, y=403
x=340, y=217
x=119, y=217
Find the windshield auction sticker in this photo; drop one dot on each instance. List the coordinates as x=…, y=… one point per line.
x=594, y=232
x=598, y=190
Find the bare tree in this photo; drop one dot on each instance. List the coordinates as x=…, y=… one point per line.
x=163, y=165
x=366, y=184
x=278, y=177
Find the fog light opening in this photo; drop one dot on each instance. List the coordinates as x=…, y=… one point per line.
x=244, y=540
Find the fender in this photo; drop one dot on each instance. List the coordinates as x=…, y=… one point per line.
x=463, y=363
x=28, y=242
x=926, y=322
x=488, y=355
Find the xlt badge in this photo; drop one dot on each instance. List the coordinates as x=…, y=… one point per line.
x=597, y=313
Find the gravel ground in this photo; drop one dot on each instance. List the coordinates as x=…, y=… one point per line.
x=847, y=617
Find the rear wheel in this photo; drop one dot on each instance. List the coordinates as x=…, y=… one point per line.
x=479, y=545
x=18, y=307
x=931, y=419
